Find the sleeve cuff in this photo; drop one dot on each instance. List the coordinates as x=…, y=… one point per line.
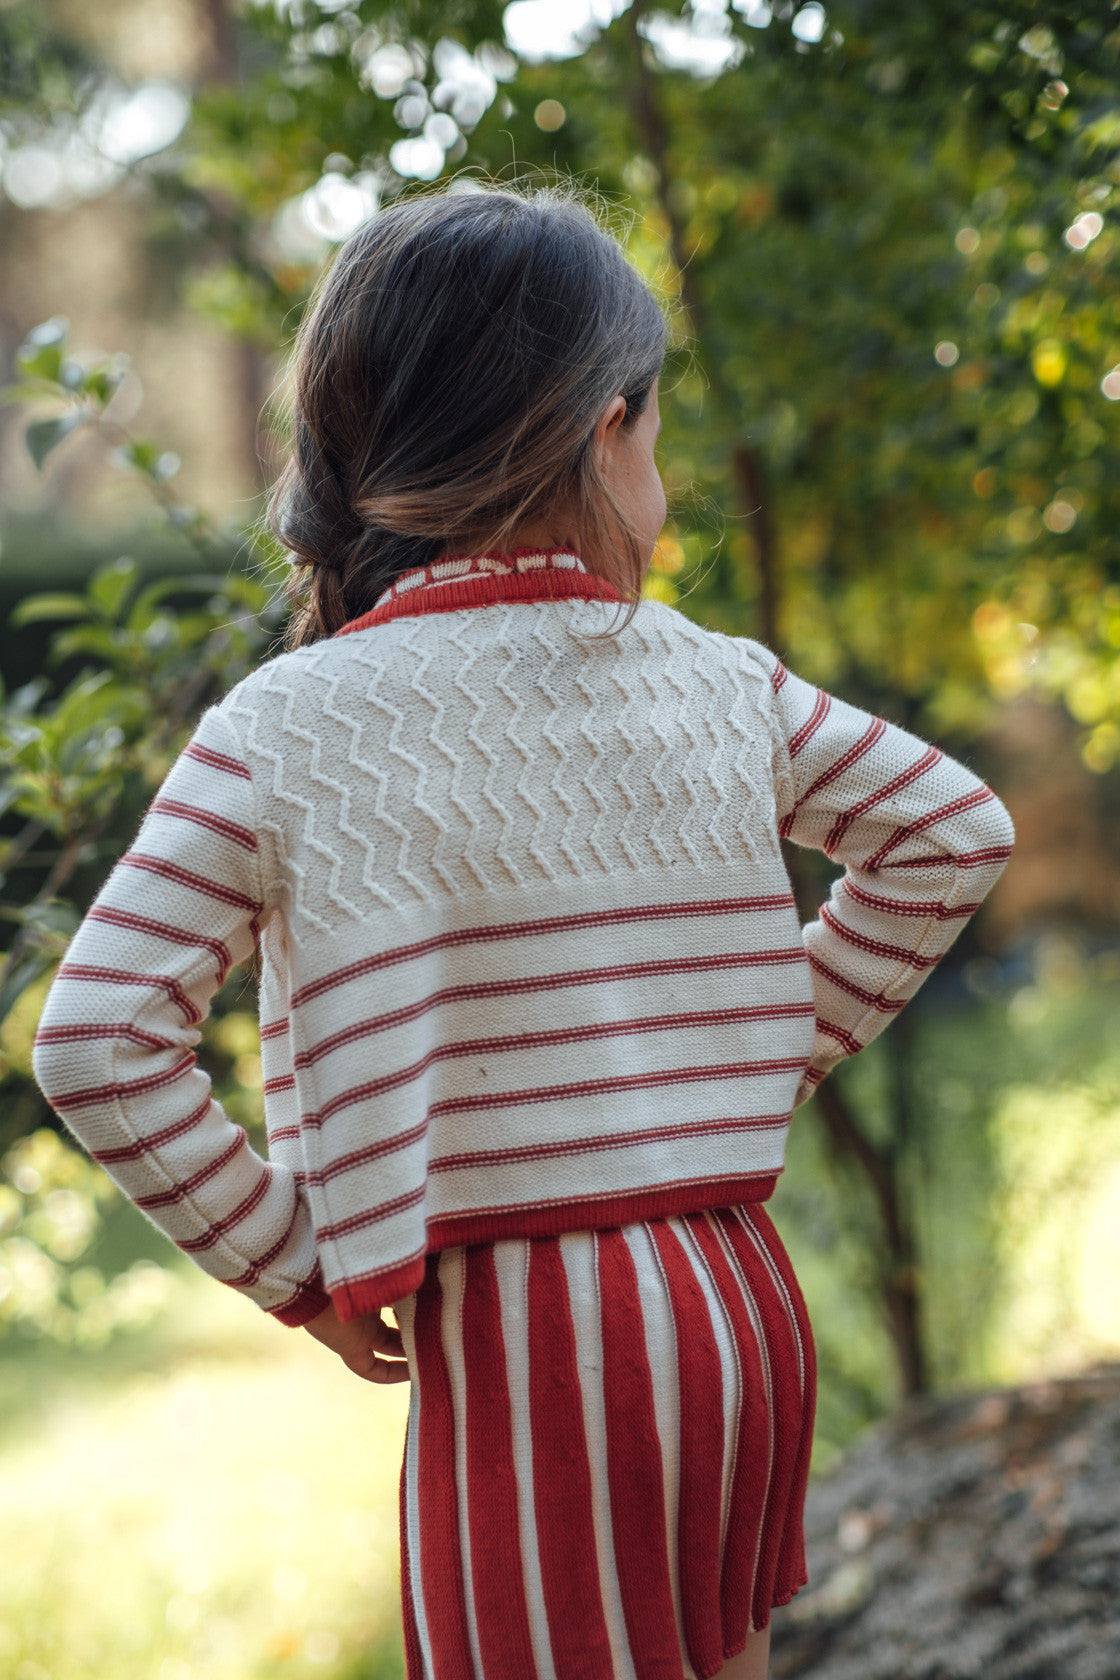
x=300, y=1308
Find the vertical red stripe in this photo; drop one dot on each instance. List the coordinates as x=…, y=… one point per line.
x=562, y=1477
x=751, y=1471
x=634, y=1469
x=496, y=1569
x=441, y=1568
x=792, y=1572
x=700, y=1383
x=413, y=1659
x=786, y=1408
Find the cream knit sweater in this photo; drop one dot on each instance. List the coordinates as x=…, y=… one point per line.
x=530, y=961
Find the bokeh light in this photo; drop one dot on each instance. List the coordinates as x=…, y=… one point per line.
x=1084, y=230
x=809, y=23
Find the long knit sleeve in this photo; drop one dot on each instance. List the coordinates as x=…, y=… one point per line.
x=114, y=1050
x=921, y=839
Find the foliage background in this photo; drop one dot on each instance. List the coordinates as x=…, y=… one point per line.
x=887, y=235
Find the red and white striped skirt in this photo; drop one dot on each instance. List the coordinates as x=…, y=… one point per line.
x=607, y=1450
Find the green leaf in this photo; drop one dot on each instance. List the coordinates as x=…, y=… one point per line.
x=144, y=607
x=109, y=587
x=44, y=436
x=29, y=390
x=40, y=355
x=23, y=701
x=101, y=382
x=23, y=975
x=35, y=608
x=97, y=639
x=140, y=453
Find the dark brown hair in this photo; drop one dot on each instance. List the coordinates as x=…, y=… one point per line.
x=447, y=381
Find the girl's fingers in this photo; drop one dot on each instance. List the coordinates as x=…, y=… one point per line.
x=359, y=1341
x=387, y=1339
x=365, y=1363
x=389, y=1371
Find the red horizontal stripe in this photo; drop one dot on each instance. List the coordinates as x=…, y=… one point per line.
x=154, y=1140
x=959, y=860
x=282, y=1082
x=275, y=1029
x=874, y=1000
x=217, y=760
x=217, y=1230
x=968, y=802
x=801, y=737
x=850, y=1044
x=621, y=1082
x=164, y=930
x=257, y=1267
x=188, y=878
x=901, y=907
x=536, y=1151
x=778, y=677
x=361, y=1157
x=181, y=1191
x=240, y=836
x=875, y=947
x=371, y=1215
x=524, y=1041
x=93, y=1094
x=76, y=1032
x=493, y=932
x=556, y=1149
x=124, y=977
x=913, y=773
x=859, y=749
x=559, y=1035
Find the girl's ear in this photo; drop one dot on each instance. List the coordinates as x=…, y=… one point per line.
x=610, y=419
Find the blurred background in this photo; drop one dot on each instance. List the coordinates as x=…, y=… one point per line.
x=887, y=235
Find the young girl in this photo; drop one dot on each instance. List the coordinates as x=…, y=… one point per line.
x=535, y=1002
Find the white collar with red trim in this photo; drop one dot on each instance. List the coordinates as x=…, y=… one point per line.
x=481, y=580
x=473, y=565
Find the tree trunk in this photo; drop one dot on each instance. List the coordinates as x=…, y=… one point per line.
x=898, y=1272
x=222, y=64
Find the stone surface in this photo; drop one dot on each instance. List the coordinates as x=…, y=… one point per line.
x=965, y=1538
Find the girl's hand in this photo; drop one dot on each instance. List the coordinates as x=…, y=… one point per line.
x=358, y=1341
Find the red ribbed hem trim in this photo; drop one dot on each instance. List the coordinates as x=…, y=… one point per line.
x=302, y=1308
x=370, y=1294
x=365, y=1295
x=487, y=589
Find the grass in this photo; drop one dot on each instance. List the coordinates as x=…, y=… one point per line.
x=227, y=1510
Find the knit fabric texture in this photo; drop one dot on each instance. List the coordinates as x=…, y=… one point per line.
x=530, y=959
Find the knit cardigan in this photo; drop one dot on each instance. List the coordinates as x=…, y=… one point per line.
x=530, y=961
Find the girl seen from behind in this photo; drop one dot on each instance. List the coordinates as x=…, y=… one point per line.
x=536, y=1006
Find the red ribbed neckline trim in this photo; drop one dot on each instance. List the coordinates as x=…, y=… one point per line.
x=547, y=580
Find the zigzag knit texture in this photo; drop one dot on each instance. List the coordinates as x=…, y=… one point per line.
x=530, y=960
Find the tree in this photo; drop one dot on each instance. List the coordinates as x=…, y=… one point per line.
x=884, y=230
